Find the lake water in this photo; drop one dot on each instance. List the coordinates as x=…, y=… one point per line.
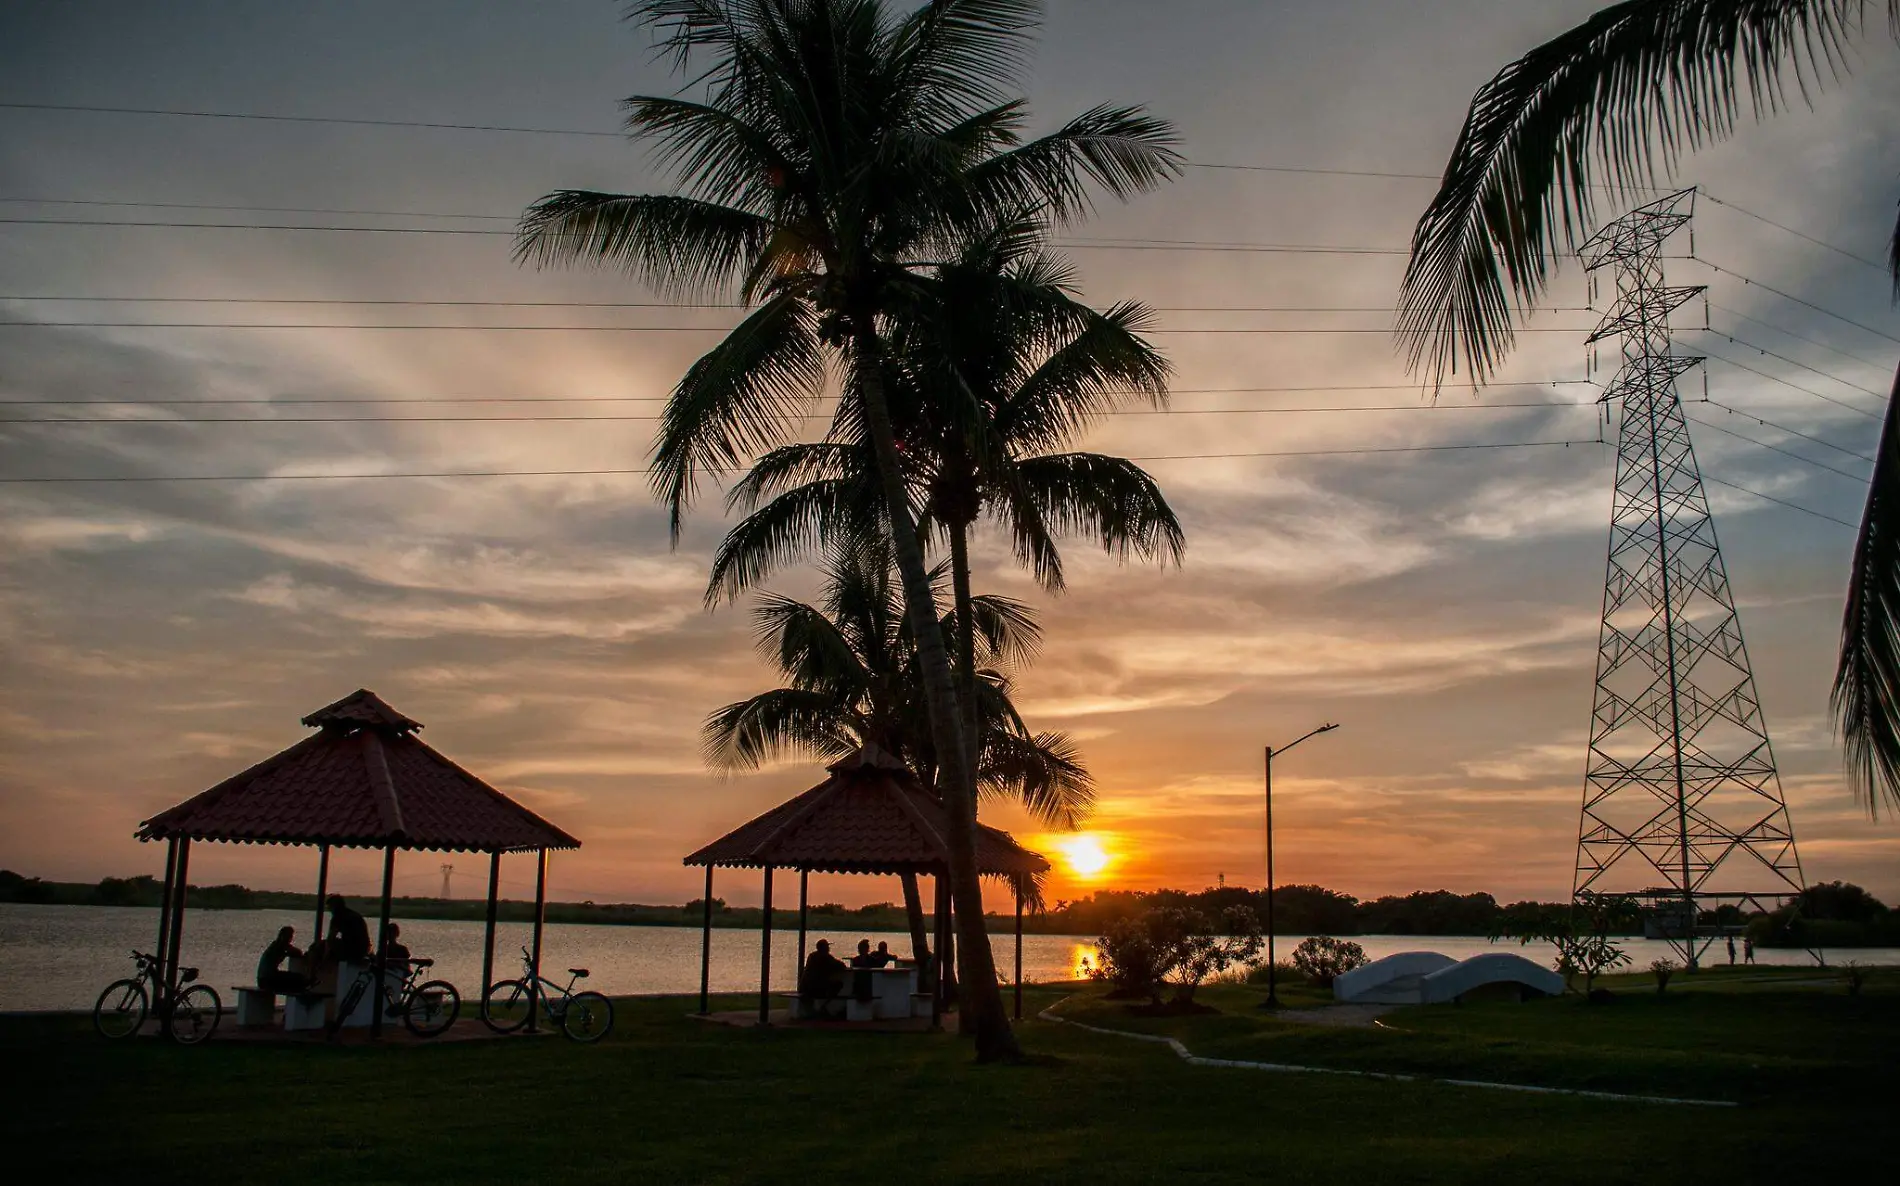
x=59, y=957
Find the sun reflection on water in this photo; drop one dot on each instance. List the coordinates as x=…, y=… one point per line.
x=1084, y=958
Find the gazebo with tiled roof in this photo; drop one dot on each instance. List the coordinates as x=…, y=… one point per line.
x=363, y=780
x=871, y=815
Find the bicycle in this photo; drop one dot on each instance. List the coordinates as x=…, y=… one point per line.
x=582, y=1016
x=188, y=1017
x=426, y=1009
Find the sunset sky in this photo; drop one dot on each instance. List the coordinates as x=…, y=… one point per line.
x=1442, y=606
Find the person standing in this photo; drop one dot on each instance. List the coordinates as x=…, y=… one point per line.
x=1731, y=951
x=1748, y=949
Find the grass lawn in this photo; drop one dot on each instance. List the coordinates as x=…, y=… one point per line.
x=667, y=1099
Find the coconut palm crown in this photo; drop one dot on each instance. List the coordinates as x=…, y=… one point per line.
x=829, y=153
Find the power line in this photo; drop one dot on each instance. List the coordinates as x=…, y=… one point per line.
x=1072, y=244
x=470, y=304
x=1782, y=226
x=590, y=132
x=1839, y=403
x=1860, y=478
x=1748, y=345
x=658, y=399
x=118, y=479
x=1782, y=329
x=1793, y=506
x=1826, y=444
x=541, y=419
x=1788, y=296
x=663, y=329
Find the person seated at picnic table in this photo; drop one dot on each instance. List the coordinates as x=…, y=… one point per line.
x=822, y=977
x=395, y=955
x=883, y=956
x=271, y=975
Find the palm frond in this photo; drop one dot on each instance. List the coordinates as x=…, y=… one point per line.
x=681, y=246
x=793, y=526
x=741, y=397
x=1043, y=773
x=1005, y=629
x=1123, y=150
x=1866, y=699
x=1111, y=498
x=1893, y=247
x=958, y=54
x=784, y=721
x=1609, y=106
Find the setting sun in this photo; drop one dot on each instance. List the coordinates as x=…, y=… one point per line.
x=1084, y=854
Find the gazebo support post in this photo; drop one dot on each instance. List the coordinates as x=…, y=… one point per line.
x=804, y=913
x=1019, y=950
x=488, y=922
x=540, y=919
x=705, y=945
x=323, y=889
x=765, y=954
x=382, y=944
x=165, y=903
x=180, y=883
x=941, y=918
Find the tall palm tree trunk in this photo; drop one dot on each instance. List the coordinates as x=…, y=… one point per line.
x=966, y=677
x=982, y=999
x=914, y=914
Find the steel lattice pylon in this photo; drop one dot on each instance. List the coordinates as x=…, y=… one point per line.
x=1682, y=807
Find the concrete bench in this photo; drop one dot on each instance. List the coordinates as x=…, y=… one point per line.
x=841, y=1007
x=254, y=1005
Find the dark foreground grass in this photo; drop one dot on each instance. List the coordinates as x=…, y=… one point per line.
x=667, y=1099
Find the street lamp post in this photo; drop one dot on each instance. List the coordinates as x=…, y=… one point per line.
x=1273, y=971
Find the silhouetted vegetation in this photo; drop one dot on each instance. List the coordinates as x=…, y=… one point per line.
x=1831, y=914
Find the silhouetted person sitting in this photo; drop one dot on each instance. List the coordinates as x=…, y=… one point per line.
x=271, y=976
x=864, y=958
x=821, y=979
x=395, y=955
x=883, y=956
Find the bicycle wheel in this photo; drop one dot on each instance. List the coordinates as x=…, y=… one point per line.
x=194, y=1015
x=432, y=1009
x=505, y=1006
x=121, y=1009
x=588, y=1017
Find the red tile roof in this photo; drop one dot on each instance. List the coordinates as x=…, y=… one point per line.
x=870, y=816
x=364, y=780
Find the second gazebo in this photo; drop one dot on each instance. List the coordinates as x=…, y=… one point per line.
x=871, y=815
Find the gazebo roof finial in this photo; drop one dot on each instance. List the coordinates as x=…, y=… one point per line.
x=361, y=709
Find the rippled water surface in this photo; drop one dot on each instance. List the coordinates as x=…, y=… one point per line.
x=59, y=957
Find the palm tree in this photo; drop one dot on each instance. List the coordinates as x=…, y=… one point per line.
x=838, y=147
x=1598, y=111
x=1001, y=363
x=852, y=679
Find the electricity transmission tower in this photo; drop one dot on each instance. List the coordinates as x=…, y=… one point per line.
x=446, y=870
x=1682, y=807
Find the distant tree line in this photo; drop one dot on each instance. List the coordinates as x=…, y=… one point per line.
x=1830, y=914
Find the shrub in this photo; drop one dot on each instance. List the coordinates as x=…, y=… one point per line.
x=1663, y=970
x=1322, y=959
x=1174, y=946
x=1855, y=973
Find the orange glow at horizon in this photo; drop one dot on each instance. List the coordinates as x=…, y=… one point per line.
x=1085, y=855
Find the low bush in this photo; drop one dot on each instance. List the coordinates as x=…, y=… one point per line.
x=1322, y=959
x=1174, y=946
